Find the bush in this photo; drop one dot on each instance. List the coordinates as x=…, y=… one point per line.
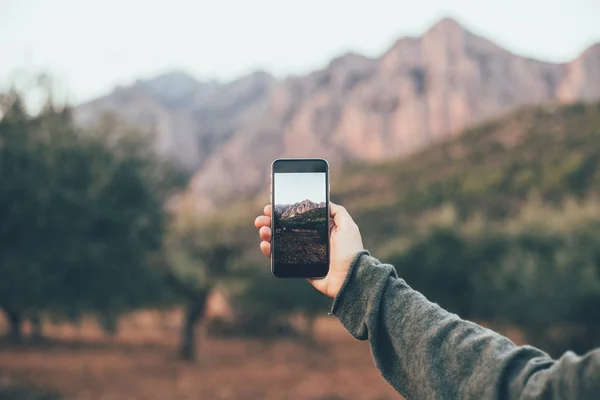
x=82, y=216
x=540, y=272
x=266, y=305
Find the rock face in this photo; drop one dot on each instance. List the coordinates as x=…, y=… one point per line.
x=582, y=77
x=190, y=119
x=421, y=90
x=291, y=210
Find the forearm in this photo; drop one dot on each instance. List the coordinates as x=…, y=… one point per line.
x=426, y=352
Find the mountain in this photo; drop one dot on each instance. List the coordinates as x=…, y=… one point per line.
x=315, y=219
x=581, y=77
x=549, y=152
x=292, y=210
x=423, y=89
x=191, y=119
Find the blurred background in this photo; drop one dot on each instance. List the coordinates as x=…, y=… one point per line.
x=135, y=144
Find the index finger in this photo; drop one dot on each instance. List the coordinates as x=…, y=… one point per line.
x=267, y=210
x=339, y=214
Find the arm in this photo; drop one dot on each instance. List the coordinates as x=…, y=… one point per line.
x=426, y=352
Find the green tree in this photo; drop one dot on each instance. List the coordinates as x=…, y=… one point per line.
x=81, y=216
x=200, y=254
x=265, y=305
x=538, y=271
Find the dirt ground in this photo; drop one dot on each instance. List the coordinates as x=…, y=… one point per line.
x=140, y=363
x=300, y=247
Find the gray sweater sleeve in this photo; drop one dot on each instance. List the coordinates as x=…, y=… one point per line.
x=426, y=352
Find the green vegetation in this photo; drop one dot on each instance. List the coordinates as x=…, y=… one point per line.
x=302, y=238
x=82, y=218
x=315, y=219
x=539, y=270
x=550, y=152
x=499, y=224
x=199, y=258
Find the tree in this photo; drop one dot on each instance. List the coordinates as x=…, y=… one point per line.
x=200, y=253
x=81, y=215
x=538, y=271
x=265, y=304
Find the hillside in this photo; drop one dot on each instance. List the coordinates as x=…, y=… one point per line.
x=290, y=210
x=191, y=120
x=312, y=219
x=423, y=89
x=549, y=151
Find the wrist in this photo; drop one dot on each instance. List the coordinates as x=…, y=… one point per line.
x=346, y=275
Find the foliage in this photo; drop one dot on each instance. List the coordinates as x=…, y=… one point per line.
x=313, y=219
x=82, y=215
x=263, y=304
x=199, y=252
x=496, y=224
x=550, y=151
x=491, y=225
x=264, y=301
x=524, y=271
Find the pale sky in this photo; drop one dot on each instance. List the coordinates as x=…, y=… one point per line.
x=294, y=187
x=90, y=46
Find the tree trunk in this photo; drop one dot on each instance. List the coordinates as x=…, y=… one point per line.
x=109, y=320
x=14, y=319
x=311, y=320
x=37, y=329
x=193, y=313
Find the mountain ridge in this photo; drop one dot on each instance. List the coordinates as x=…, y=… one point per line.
x=421, y=90
x=294, y=209
x=545, y=154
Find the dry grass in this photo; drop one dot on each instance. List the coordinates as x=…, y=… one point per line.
x=80, y=363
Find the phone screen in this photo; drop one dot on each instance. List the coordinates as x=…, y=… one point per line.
x=300, y=223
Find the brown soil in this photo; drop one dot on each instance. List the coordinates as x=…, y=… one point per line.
x=300, y=248
x=80, y=363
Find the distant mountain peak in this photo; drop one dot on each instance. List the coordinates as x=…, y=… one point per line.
x=446, y=30
x=175, y=88
x=179, y=75
x=291, y=210
x=591, y=51
x=447, y=24
x=349, y=58
x=258, y=76
x=175, y=78
x=422, y=90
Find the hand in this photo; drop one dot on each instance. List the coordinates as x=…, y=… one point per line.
x=345, y=241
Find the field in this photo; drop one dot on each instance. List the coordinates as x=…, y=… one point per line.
x=299, y=247
x=301, y=239
x=79, y=363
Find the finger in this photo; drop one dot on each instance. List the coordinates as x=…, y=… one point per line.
x=265, y=247
x=267, y=210
x=261, y=221
x=265, y=233
x=334, y=209
x=340, y=215
x=319, y=284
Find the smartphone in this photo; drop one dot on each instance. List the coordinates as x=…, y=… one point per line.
x=300, y=218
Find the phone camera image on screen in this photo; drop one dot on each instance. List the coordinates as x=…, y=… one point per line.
x=300, y=218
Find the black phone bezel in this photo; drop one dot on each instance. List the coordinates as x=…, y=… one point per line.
x=299, y=165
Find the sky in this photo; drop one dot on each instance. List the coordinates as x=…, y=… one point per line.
x=294, y=187
x=90, y=46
